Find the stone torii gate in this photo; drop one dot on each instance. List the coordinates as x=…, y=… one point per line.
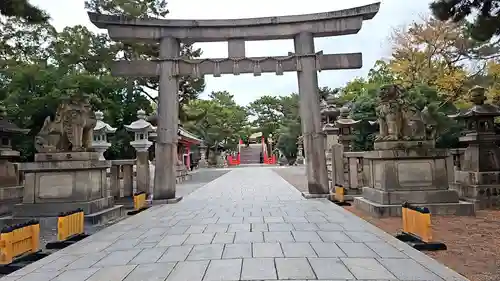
x=169, y=66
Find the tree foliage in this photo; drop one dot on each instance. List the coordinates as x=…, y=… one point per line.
x=219, y=120
x=439, y=54
x=436, y=62
x=22, y=9
x=266, y=110
x=486, y=23
x=40, y=66
x=189, y=87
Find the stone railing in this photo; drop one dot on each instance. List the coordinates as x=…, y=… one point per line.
x=121, y=182
x=121, y=178
x=347, y=169
x=355, y=179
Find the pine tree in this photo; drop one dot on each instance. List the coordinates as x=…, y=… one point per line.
x=24, y=10
x=486, y=23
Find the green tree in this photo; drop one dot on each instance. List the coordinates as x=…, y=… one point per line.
x=268, y=117
x=189, y=87
x=40, y=66
x=22, y=9
x=24, y=42
x=290, y=128
x=486, y=12
x=364, y=96
x=219, y=119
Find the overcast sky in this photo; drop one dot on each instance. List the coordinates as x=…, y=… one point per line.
x=371, y=40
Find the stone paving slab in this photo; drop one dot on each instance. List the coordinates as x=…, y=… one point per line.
x=249, y=224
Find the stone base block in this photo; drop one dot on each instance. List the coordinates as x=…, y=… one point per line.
x=105, y=215
x=483, y=196
x=308, y=195
x=127, y=202
x=167, y=201
x=182, y=178
x=300, y=161
x=6, y=206
x=411, y=144
x=10, y=196
x=53, y=209
x=67, y=156
x=398, y=197
x=378, y=210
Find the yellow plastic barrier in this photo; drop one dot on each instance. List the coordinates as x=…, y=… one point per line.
x=70, y=224
x=139, y=201
x=339, y=193
x=19, y=240
x=417, y=230
x=417, y=222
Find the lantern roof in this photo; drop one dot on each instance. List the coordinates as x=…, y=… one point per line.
x=102, y=126
x=344, y=119
x=479, y=108
x=6, y=126
x=140, y=125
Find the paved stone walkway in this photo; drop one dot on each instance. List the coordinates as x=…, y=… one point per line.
x=249, y=224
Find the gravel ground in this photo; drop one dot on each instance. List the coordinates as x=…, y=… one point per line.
x=48, y=226
x=473, y=242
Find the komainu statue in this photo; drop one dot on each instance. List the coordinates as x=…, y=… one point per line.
x=415, y=126
x=390, y=113
x=400, y=121
x=71, y=129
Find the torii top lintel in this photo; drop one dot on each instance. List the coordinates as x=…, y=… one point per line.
x=341, y=22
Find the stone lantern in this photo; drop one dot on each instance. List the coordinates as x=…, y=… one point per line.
x=11, y=191
x=7, y=131
x=101, y=130
x=141, y=143
x=329, y=113
x=478, y=180
x=345, y=125
x=141, y=129
x=203, y=156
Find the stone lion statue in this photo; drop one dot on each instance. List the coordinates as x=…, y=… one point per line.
x=399, y=121
x=390, y=113
x=414, y=128
x=71, y=130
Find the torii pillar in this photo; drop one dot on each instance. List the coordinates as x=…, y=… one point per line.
x=305, y=61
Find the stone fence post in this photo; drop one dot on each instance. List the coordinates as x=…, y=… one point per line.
x=122, y=169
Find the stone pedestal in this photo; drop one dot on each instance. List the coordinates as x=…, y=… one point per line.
x=412, y=172
x=478, y=181
x=143, y=172
x=61, y=182
x=128, y=180
x=337, y=171
x=11, y=192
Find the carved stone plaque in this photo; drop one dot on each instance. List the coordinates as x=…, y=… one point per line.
x=55, y=186
x=414, y=172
